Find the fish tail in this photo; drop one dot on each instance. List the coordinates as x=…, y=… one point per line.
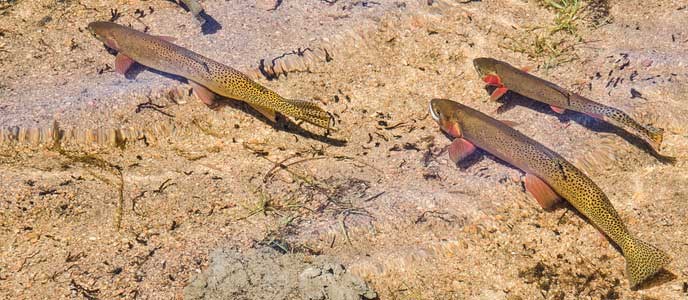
x=652, y=135
x=642, y=261
x=656, y=135
x=310, y=112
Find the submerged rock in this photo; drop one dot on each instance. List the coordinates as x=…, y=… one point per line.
x=267, y=274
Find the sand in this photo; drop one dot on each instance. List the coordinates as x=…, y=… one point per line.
x=377, y=208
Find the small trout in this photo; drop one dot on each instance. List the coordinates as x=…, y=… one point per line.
x=506, y=77
x=548, y=176
x=206, y=76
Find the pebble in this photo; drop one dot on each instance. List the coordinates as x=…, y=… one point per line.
x=266, y=4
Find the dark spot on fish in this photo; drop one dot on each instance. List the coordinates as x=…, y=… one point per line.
x=563, y=172
x=205, y=66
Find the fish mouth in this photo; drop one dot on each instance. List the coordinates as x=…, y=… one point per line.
x=433, y=114
x=482, y=65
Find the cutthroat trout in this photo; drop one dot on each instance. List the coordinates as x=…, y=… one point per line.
x=548, y=177
x=206, y=76
x=506, y=77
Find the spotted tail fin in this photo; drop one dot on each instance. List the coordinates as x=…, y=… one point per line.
x=642, y=261
x=310, y=112
x=656, y=135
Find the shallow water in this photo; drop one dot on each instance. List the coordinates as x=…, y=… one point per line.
x=387, y=203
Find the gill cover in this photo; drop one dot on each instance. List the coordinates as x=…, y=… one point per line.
x=441, y=111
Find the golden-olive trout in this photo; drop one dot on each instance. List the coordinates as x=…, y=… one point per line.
x=507, y=77
x=206, y=76
x=548, y=177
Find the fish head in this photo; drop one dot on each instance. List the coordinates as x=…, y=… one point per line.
x=105, y=32
x=447, y=114
x=485, y=66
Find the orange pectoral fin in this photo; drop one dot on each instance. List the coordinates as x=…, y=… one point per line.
x=460, y=149
x=451, y=128
x=493, y=80
x=123, y=63
x=527, y=69
x=498, y=93
x=558, y=110
x=542, y=192
x=203, y=93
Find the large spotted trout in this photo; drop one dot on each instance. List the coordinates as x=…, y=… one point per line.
x=507, y=77
x=549, y=177
x=206, y=76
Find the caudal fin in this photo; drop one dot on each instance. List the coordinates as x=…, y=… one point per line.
x=656, y=135
x=309, y=112
x=642, y=261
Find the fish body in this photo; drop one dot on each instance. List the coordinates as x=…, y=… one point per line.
x=207, y=76
x=507, y=77
x=550, y=169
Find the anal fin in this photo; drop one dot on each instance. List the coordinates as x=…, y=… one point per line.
x=542, y=192
x=268, y=113
x=558, y=110
x=123, y=63
x=460, y=149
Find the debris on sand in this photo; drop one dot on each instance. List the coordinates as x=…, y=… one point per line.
x=208, y=24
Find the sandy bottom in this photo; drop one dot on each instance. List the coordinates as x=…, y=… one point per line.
x=206, y=204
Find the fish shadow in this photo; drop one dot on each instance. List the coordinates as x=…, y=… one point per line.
x=210, y=25
x=512, y=99
x=477, y=156
x=662, y=277
x=283, y=123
